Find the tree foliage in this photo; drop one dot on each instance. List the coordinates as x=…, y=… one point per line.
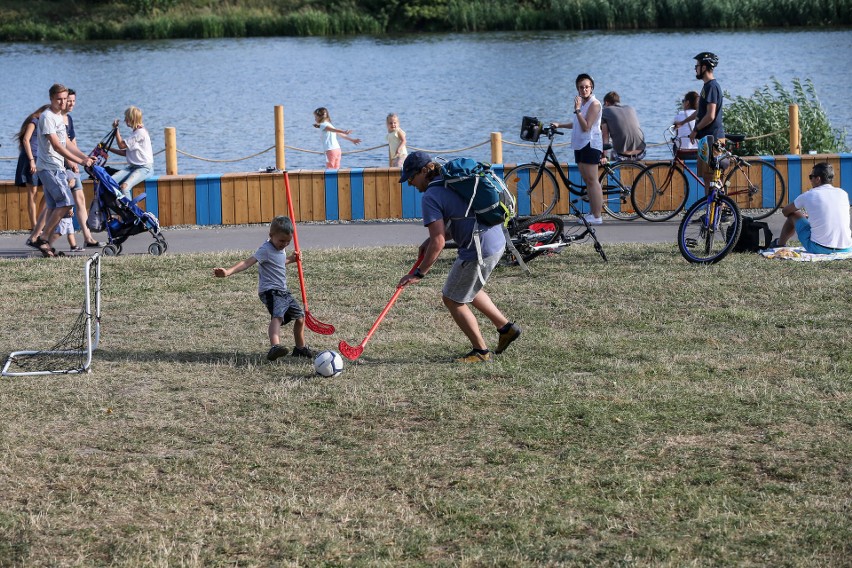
x=765, y=114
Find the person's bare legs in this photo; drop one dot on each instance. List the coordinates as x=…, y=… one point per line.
x=82, y=215
x=482, y=302
x=789, y=228
x=589, y=172
x=466, y=321
x=32, y=206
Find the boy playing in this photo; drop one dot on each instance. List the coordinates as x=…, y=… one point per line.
x=272, y=287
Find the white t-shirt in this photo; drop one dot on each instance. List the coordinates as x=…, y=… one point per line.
x=139, y=151
x=684, y=130
x=329, y=138
x=48, y=158
x=828, y=211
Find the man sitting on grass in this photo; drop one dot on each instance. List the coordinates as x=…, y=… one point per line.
x=824, y=227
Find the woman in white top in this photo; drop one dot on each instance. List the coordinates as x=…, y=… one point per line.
x=137, y=149
x=587, y=141
x=684, y=126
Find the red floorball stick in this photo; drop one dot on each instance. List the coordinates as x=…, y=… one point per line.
x=353, y=353
x=313, y=323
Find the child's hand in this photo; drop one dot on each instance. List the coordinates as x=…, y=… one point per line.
x=294, y=257
x=356, y=141
x=115, y=123
x=220, y=273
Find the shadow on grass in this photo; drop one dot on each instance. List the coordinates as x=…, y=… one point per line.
x=229, y=358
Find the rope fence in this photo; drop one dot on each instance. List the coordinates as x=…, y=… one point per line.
x=495, y=150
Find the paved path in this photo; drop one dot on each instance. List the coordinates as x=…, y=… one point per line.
x=344, y=235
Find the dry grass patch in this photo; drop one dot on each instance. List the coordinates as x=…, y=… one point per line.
x=652, y=413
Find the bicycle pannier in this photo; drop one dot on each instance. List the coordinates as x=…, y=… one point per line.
x=530, y=129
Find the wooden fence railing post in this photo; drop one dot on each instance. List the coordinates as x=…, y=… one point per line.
x=280, y=161
x=795, y=136
x=171, y=151
x=496, y=148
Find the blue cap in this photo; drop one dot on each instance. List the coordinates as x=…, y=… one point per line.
x=413, y=164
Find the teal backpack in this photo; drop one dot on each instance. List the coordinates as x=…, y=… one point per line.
x=484, y=191
x=486, y=196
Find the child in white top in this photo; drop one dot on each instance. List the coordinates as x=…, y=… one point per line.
x=137, y=149
x=685, y=127
x=66, y=227
x=329, y=138
x=397, y=150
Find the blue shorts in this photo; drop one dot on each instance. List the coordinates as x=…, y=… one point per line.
x=587, y=155
x=281, y=305
x=803, y=231
x=56, y=191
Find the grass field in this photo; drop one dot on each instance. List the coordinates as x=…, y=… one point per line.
x=652, y=413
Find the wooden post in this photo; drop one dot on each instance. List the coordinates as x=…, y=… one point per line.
x=795, y=136
x=171, y=151
x=496, y=148
x=280, y=162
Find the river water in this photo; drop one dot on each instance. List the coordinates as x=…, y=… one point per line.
x=450, y=91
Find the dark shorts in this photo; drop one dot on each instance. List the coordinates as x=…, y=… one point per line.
x=587, y=155
x=281, y=305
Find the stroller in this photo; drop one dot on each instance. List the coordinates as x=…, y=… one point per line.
x=119, y=216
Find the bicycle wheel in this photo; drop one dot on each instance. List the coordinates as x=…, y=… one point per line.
x=617, y=184
x=531, y=234
x=660, y=192
x=757, y=187
x=539, y=184
x=709, y=230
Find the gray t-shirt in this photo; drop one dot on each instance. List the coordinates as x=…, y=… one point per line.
x=48, y=158
x=624, y=130
x=271, y=268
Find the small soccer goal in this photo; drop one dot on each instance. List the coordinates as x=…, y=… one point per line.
x=72, y=353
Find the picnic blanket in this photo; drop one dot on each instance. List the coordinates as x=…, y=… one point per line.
x=799, y=254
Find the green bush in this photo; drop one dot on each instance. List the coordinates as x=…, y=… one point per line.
x=765, y=114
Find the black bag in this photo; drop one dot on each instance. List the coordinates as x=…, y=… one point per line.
x=750, y=236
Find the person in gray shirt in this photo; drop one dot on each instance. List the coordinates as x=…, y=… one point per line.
x=621, y=124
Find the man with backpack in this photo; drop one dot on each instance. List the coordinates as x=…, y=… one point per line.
x=447, y=213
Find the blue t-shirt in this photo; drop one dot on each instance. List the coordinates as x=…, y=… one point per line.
x=271, y=268
x=711, y=93
x=440, y=202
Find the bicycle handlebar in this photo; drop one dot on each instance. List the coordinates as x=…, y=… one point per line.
x=551, y=131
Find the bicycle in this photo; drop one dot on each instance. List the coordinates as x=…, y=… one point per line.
x=662, y=190
x=539, y=183
x=712, y=225
x=544, y=234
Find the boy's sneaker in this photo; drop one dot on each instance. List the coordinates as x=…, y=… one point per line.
x=508, y=337
x=475, y=357
x=275, y=352
x=591, y=220
x=305, y=351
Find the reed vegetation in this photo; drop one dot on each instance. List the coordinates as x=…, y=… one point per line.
x=766, y=112
x=158, y=19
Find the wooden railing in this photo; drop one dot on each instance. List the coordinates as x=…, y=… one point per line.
x=330, y=195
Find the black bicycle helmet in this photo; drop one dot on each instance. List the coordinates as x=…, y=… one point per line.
x=707, y=58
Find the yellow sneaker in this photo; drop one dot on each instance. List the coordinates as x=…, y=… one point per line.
x=507, y=338
x=475, y=357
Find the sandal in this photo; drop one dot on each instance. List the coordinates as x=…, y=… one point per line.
x=31, y=243
x=94, y=244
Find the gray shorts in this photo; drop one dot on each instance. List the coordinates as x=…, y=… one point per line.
x=75, y=181
x=56, y=191
x=281, y=305
x=463, y=282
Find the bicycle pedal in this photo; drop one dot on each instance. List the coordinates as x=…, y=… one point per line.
x=691, y=243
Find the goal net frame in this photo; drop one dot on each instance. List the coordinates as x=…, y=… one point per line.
x=91, y=320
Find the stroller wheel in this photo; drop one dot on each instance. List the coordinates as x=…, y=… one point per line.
x=156, y=249
x=111, y=250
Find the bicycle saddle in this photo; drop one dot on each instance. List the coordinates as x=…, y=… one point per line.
x=735, y=138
